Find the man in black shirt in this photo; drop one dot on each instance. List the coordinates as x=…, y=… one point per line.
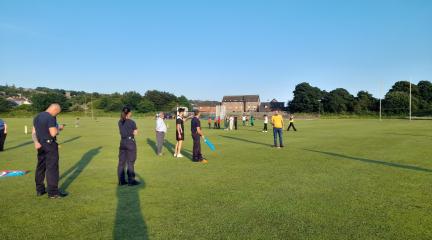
x=44, y=135
x=196, y=136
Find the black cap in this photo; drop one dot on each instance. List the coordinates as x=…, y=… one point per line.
x=126, y=109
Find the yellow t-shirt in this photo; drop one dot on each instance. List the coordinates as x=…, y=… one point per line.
x=277, y=121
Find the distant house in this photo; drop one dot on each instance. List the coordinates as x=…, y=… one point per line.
x=18, y=100
x=206, y=106
x=271, y=106
x=241, y=103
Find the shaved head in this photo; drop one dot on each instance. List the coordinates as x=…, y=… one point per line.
x=54, y=109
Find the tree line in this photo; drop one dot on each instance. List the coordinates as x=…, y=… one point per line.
x=151, y=101
x=310, y=99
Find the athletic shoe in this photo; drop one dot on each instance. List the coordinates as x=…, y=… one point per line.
x=180, y=155
x=122, y=183
x=40, y=193
x=133, y=183
x=58, y=195
x=203, y=161
x=282, y=146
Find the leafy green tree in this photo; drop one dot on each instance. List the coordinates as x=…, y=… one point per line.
x=425, y=90
x=365, y=102
x=42, y=101
x=397, y=102
x=184, y=102
x=114, y=105
x=132, y=99
x=404, y=86
x=146, y=106
x=5, y=105
x=338, y=101
x=306, y=98
x=161, y=100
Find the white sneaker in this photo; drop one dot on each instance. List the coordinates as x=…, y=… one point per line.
x=175, y=155
x=179, y=155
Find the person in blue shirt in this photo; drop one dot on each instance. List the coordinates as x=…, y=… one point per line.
x=44, y=134
x=197, y=134
x=128, y=149
x=3, y=134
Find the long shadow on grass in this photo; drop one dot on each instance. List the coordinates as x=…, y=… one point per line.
x=409, y=134
x=152, y=144
x=169, y=146
x=245, y=140
x=129, y=222
x=19, y=145
x=73, y=172
x=70, y=140
x=390, y=164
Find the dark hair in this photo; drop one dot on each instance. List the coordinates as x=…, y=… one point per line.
x=181, y=110
x=125, y=111
x=196, y=112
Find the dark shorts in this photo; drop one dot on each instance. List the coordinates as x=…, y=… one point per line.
x=181, y=138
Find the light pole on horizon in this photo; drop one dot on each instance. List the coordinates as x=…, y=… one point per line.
x=319, y=108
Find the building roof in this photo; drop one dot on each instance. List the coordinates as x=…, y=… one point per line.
x=241, y=98
x=206, y=104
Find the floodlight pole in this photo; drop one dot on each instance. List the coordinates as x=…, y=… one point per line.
x=91, y=99
x=410, y=101
x=380, y=102
x=319, y=108
x=85, y=105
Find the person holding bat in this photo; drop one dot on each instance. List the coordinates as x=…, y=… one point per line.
x=197, y=134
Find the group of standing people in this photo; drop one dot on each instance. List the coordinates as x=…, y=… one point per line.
x=45, y=131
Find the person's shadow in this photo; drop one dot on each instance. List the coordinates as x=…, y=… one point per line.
x=73, y=172
x=129, y=222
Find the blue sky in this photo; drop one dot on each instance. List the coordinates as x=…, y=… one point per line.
x=207, y=49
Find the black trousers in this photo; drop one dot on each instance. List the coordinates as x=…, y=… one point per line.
x=291, y=125
x=265, y=127
x=2, y=139
x=127, y=157
x=197, y=156
x=47, y=165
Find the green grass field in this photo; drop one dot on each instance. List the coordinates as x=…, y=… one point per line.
x=336, y=179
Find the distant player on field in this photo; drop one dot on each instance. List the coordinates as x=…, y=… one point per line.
x=291, y=123
x=278, y=125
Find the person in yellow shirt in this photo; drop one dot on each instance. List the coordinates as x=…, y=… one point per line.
x=278, y=125
x=291, y=123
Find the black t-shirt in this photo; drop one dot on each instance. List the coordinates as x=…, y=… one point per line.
x=196, y=123
x=180, y=121
x=127, y=128
x=42, y=123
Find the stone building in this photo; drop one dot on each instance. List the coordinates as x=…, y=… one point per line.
x=241, y=103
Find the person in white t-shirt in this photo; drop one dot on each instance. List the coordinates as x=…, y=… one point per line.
x=265, y=123
x=161, y=129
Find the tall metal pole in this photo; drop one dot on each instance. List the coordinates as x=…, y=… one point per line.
x=85, y=105
x=410, y=100
x=380, y=102
x=91, y=99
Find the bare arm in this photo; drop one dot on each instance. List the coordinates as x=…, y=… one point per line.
x=200, y=132
x=53, y=131
x=35, y=140
x=135, y=132
x=5, y=128
x=179, y=129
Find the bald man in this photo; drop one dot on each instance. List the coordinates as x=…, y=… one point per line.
x=44, y=135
